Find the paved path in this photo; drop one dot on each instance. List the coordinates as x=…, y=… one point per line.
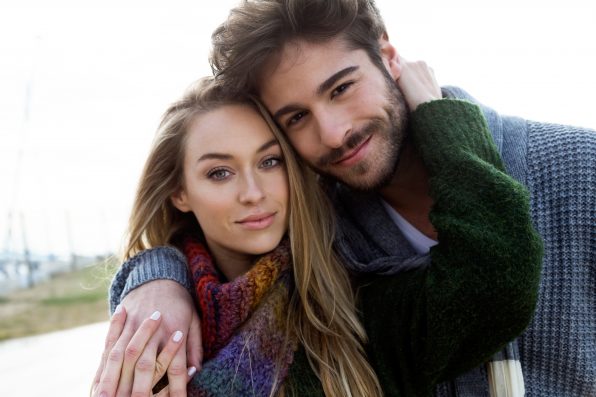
x=55, y=364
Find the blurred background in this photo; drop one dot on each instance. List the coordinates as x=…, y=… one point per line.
x=83, y=85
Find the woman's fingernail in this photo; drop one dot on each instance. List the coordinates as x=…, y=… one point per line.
x=177, y=336
x=118, y=309
x=103, y=394
x=191, y=371
x=155, y=316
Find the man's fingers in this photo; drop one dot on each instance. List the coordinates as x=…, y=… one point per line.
x=167, y=355
x=194, y=343
x=418, y=83
x=117, y=322
x=137, y=349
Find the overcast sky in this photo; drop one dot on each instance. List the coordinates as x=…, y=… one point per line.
x=83, y=85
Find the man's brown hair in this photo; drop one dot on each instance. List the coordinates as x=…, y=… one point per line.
x=256, y=30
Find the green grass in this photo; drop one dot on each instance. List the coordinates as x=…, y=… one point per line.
x=75, y=299
x=64, y=301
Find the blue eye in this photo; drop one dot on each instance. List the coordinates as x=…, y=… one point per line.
x=219, y=174
x=271, y=162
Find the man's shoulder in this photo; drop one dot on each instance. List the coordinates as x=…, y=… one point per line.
x=557, y=150
x=520, y=140
x=537, y=129
x=560, y=134
x=458, y=93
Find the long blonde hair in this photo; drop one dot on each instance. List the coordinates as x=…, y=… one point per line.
x=322, y=312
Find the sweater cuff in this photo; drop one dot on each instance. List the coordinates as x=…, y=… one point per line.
x=160, y=263
x=443, y=127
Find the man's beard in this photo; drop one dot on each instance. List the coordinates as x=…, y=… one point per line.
x=367, y=176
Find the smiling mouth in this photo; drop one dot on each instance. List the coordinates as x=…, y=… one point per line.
x=354, y=155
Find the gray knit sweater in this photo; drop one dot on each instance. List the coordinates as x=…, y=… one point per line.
x=558, y=165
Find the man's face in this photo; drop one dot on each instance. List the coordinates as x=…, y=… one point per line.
x=343, y=115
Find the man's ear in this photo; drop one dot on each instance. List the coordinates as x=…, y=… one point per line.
x=390, y=57
x=180, y=200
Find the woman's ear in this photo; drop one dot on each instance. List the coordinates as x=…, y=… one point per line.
x=391, y=58
x=180, y=200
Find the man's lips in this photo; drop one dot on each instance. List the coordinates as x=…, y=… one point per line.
x=354, y=155
x=257, y=221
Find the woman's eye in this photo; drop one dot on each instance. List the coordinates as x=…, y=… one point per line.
x=340, y=89
x=219, y=174
x=271, y=162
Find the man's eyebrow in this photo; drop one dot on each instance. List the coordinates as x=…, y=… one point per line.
x=330, y=82
x=327, y=84
x=225, y=156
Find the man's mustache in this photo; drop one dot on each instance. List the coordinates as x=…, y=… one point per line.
x=355, y=139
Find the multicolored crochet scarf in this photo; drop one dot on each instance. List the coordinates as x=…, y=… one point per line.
x=243, y=325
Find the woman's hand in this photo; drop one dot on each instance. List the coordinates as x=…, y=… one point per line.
x=418, y=84
x=126, y=369
x=179, y=313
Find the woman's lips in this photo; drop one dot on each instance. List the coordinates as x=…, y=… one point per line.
x=257, y=221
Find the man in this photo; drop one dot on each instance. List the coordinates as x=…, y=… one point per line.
x=326, y=71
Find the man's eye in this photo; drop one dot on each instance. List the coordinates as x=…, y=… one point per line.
x=295, y=118
x=219, y=174
x=340, y=89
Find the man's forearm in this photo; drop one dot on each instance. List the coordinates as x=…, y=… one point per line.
x=153, y=264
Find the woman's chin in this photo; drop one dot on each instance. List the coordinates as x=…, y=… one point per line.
x=261, y=245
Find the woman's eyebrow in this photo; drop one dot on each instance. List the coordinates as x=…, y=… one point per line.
x=267, y=145
x=225, y=156
x=216, y=156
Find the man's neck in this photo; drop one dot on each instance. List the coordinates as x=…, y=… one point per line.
x=408, y=191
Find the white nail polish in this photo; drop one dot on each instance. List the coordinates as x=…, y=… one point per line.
x=177, y=336
x=155, y=316
x=118, y=309
x=191, y=371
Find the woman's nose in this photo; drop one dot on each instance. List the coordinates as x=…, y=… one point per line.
x=251, y=191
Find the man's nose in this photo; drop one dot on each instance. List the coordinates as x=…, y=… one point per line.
x=333, y=129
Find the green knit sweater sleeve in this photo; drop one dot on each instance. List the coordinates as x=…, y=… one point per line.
x=480, y=290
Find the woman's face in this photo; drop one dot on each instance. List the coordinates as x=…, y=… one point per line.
x=235, y=182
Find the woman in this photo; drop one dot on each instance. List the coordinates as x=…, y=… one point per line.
x=277, y=312
x=229, y=189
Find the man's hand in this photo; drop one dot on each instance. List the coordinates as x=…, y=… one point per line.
x=418, y=84
x=134, y=370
